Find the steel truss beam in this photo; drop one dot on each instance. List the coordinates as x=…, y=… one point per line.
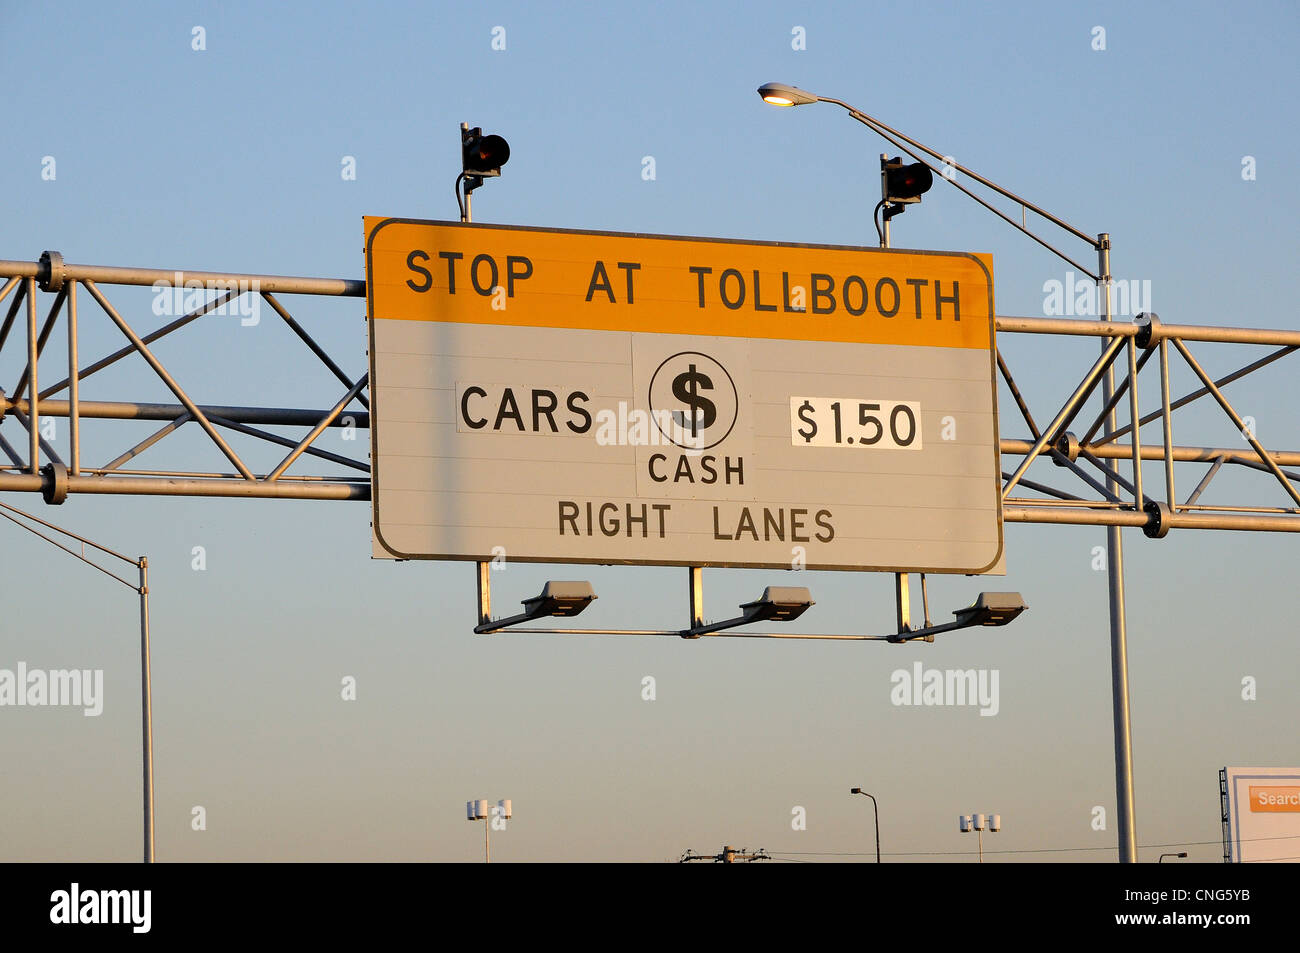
x=42, y=470
x=1084, y=499
x=1155, y=512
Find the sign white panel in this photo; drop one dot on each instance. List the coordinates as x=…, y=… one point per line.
x=595, y=397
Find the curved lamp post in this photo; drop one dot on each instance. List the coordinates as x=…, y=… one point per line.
x=146, y=690
x=782, y=94
x=875, y=810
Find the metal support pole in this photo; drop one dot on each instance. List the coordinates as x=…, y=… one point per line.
x=34, y=417
x=884, y=194
x=487, y=839
x=1124, y=807
x=484, y=593
x=1135, y=416
x=74, y=392
x=146, y=710
x=1168, y=425
x=904, y=599
x=875, y=810
x=925, y=601
x=696, y=593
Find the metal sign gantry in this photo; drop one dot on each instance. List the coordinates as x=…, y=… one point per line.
x=1077, y=492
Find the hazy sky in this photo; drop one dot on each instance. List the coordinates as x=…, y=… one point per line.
x=229, y=158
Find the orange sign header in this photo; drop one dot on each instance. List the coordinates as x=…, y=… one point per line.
x=531, y=277
x=1274, y=799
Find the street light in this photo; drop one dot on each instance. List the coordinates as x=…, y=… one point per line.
x=146, y=683
x=779, y=94
x=478, y=811
x=876, y=811
x=977, y=822
x=1182, y=855
x=992, y=608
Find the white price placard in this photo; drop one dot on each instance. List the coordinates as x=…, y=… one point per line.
x=855, y=422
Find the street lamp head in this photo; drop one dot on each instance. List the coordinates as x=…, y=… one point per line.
x=559, y=599
x=855, y=791
x=992, y=608
x=779, y=94
x=778, y=604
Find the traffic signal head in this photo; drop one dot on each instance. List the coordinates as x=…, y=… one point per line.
x=905, y=184
x=481, y=156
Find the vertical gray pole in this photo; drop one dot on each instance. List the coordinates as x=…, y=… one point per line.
x=33, y=408
x=484, y=593
x=1124, y=808
x=904, y=599
x=464, y=128
x=884, y=194
x=696, y=592
x=74, y=392
x=875, y=810
x=146, y=710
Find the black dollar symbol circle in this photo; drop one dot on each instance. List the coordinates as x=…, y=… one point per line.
x=693, y=400
x=686, y=388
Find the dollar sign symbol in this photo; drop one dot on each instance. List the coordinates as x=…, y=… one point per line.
x=686, y=388
x=805, y=414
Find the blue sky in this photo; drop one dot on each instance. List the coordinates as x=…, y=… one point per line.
x=229, y=158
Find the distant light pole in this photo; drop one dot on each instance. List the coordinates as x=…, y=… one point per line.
x=146, y=685
x=1181, y=855
x=478, y=811
x=977, y=822
x=875, y=810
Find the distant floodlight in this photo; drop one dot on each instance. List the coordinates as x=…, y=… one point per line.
x=992, y=608
x=977, y=824
x=778, y=604
x=559, y=599
x=476, y=810
x=504, y=808
x=779, y=94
